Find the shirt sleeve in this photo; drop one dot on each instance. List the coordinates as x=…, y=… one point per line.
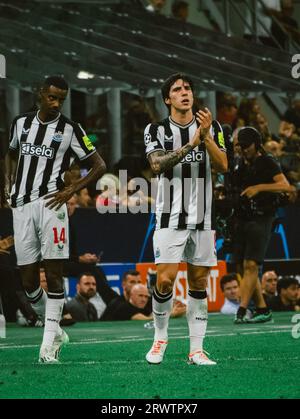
x=81, y=144
x=273, y=166
x=217, y=134
x=13, y=136
x=153, y=139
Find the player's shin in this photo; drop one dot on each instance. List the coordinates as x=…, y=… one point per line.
x=162, y=307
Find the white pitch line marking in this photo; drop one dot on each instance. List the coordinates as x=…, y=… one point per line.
x=85, y=342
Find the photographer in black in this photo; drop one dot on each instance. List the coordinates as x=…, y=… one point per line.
x=258, y=180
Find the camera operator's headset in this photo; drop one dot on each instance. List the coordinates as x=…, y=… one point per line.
x=257, y=138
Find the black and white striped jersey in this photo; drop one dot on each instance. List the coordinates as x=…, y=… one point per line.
x=185, y=194
x=46, y=150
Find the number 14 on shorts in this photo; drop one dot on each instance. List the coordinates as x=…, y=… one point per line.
x=59, y=236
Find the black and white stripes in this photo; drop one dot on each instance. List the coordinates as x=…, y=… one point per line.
x=185, y=196
x=45, y=150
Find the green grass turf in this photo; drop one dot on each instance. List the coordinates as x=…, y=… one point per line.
x=107, y=360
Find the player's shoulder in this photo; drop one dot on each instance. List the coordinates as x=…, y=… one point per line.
x=155, y=125
x=69, y=121
x=216, y=125
x=76, y=128
x=24, y=115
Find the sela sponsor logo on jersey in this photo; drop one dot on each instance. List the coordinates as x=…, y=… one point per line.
x=194, y=157
x=37, y=150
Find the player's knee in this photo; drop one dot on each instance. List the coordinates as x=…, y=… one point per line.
x=28, y=286
x=250, y=266
x=164, y=284
x=30, y=280
x=199, y=283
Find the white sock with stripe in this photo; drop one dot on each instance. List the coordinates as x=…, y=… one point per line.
x=38, y=300
x=161, y=307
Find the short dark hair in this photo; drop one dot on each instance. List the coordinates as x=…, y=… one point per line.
x=130, y=272
x=228, y=278
x=285, y=282
x=249, y=135
x=56, y=81
x=85, y=274
x=166, y=86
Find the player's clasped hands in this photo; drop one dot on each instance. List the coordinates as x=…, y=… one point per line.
x=204, y=118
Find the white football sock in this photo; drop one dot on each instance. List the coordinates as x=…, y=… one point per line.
x=38, y=300
x=196, y=315
x=54, y=309
x=161, y=307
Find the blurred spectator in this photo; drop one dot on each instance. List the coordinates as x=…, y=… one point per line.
x=139, y=296
x=155, y=6
x=289, y=162
x=139, y=115
x=288, y=25
x=269, y=282
x=180, y=10
x=83, y=199
x=135, y=308
x=260, y=122
x=290, y=165
x=226, y=108
x=247, y=111
x=274, y=148
x=292, y=115
x=129, y=279
x=265, y=10
x=230, y=286
x=80, y=308
x=287, y=298
x=287, y=132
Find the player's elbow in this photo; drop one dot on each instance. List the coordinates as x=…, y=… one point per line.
x=156, y=168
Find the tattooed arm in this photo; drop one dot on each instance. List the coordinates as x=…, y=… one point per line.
x=161, y=162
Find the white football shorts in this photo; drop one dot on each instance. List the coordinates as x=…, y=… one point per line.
x=197, y=247
x=40, y=232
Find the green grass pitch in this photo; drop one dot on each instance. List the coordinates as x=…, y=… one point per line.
x=106, y=360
